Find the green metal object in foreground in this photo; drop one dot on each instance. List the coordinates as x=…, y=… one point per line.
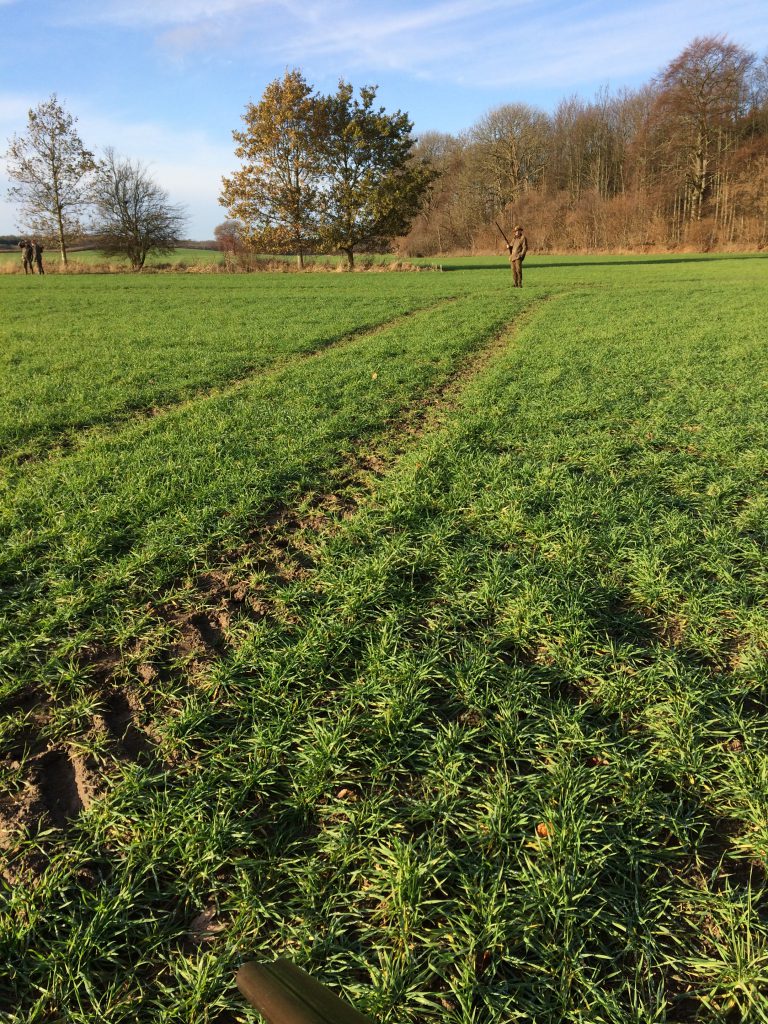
x=285, y=994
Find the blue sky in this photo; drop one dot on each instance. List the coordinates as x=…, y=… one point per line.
x=166, y=81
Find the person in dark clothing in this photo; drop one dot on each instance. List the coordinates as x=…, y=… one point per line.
x=517, y=248
x=26, y=257
x=37, y=251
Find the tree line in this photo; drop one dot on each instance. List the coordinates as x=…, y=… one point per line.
x=682, y=161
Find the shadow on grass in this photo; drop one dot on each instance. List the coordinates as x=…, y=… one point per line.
x=639, y=261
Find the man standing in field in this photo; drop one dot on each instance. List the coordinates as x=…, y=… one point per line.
x=517, y=248
x=37, y=251
x=26, y=256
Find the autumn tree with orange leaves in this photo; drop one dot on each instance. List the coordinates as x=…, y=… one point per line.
x=324, y=173
x=275, y=193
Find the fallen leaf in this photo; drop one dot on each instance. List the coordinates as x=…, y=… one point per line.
x=346, y=794
x=205, y=926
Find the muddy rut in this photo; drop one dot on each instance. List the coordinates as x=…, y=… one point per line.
x=52, y=784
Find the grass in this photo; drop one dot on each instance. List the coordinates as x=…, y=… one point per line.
x=89, y=257
x=433, y=657
x=87, y=350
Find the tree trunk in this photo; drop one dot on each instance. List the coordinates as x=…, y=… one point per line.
x=62, y=242
x=300, y=260
x=349, y=253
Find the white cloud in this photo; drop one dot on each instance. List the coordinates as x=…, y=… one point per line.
x=410, y=39
x=490, y=44
x=616, y=45
x=477, y=43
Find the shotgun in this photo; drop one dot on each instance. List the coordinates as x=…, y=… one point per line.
x=502, y=233
x=284, y=994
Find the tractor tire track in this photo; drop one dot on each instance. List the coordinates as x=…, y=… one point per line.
x=77, y=436
x=198, y=631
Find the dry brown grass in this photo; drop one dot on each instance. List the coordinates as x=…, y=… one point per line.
x=249, y=266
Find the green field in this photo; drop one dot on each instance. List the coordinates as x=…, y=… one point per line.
x=406, y=625
x=93, y=256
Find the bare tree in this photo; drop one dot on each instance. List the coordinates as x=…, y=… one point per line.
x=133, y=214
x=702, y=94
x=437, y=227
x=229, y=235
x=588, y=145
x=510, y=151
x=51, y=168
x=683, y=160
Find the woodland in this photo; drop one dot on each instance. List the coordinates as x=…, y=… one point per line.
x=681, y=163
